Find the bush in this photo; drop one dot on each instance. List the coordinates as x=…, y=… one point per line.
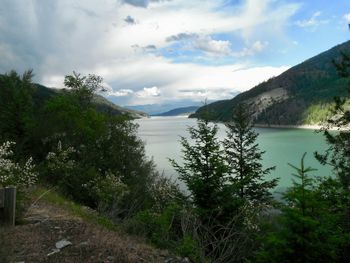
x=16, y=174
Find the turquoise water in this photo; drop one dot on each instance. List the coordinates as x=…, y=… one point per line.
x=282, y=146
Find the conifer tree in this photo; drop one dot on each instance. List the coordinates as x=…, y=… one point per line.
x=203, y=169
x=309, y=228
x=244, y=157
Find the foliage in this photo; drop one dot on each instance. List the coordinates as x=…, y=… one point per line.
x=227, y=187
x=17, y=111
x=204, y=169
x=12, y=173
x=318, y=113
x=52, y=195
x=84, y=87
x=244, y=159
x=94, y=157
x=172, y=228
x=309, y=228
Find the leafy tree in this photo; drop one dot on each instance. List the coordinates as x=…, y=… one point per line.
x=244, y=159
x=204, y=169
x=84, y=87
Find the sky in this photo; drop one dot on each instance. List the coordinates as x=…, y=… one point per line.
x=161, y=51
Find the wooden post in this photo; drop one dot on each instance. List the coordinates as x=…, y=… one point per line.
x=2, y=204
x=10, y=205
x=2, y=197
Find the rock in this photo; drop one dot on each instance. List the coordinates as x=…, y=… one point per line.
x=53, y=252
x=63, y=243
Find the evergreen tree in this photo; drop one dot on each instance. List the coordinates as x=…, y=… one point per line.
x=309, y=228
x=244, y=159
x=17, y=110
x=204, y=169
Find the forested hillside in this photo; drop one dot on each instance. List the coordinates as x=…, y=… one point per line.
x=179, y=111
x=41, y=94
x=301, y=95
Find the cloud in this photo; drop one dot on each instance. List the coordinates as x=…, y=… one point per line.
x=56, y=37
x=182, y=81
x=181, y=36
x=313, y=22
x=120, y=93
x=142, y=3
x=148, y=92
x=130, y=20
x=209, y=45
x=150, y=47
x=256, y=47
x=138, y=3
x=347, y=17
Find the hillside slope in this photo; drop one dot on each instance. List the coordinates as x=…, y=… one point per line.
x=52, y=218
x=179, y=111
x=43, y=93
x=300, y=95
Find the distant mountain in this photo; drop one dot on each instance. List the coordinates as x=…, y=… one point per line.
x=179, y=111
x=300, y=95
x=42, y=93
x=154, y=109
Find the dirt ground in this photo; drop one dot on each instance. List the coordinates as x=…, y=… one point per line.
x=47, y=224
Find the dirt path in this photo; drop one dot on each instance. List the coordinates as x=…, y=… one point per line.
x=47, y=224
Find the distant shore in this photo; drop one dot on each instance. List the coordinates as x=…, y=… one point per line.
x=307, y=127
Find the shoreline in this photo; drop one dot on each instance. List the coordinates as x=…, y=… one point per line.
x=277, y=126
x=314, y=127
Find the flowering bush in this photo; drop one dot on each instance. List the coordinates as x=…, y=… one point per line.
x=61, y=159
x=12, y=173
x=109, y=190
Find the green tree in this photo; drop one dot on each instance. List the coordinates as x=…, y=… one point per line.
x=84, y=87
x=309, y=227
x=204, y=169
x=16, y=111
x=244, y=157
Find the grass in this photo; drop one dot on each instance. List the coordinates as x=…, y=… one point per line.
x=52, y=196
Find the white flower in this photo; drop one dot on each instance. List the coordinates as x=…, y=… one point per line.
x=12, y=173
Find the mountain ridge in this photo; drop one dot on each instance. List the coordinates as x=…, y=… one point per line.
x=178, y=111
x=300, y=95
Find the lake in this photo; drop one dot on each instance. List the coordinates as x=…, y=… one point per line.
x=282, y=146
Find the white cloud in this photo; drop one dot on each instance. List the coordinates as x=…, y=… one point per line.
x=347, y=17
x=120, y=93
x=59, y=36
x=148, y=92
x=209, y=45
x=313, y=22
x=181, y=81
x=256, y=47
